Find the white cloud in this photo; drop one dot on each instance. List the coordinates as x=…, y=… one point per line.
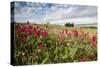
x=76, y=21
x=43, y=12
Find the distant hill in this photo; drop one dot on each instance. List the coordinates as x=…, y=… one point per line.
x=87, y=25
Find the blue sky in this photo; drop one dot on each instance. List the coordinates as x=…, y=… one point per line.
x=37, y=12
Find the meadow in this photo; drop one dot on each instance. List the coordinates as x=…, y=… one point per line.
x=49, y=44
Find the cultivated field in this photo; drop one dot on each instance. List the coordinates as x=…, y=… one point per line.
x=45, y=44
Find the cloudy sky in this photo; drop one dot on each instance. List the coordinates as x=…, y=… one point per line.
x=54, y=13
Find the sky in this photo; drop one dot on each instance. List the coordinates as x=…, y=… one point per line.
x=37, y=12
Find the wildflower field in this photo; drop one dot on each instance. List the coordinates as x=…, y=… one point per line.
x=41, y=44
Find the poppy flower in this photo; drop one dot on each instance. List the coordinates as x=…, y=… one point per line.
x=75, y=33
x=40, y=45
x=81, y=59
x=44, y=34
x=94, y=40
x=94, y=56
x=37, y=33
x=70, y=34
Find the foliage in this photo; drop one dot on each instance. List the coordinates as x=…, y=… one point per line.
x=69, y=24
x=38, y=45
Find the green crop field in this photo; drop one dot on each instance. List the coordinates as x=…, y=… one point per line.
x=45, y=44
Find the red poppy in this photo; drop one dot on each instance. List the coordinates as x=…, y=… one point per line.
x=94, y=56
x=27, y=29
x=94, y=40
x=81, y=60
x=40, y=45
x=70, y=34
x=37, y=33
x=75, y=32
x=84, y=36
x=44, y=34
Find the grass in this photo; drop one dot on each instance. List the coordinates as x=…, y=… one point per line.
x=59, y=27
x=47, y=44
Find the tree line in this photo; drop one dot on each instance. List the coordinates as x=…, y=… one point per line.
x=69, y=24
